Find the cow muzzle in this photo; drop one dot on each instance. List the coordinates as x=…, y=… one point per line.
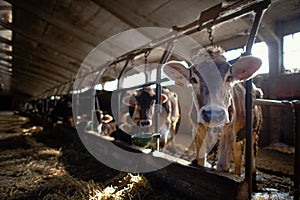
x=211, y=115
x=145, y=122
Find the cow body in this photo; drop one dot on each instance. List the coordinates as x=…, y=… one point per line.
x=219, y=98
x=96, y=105
x=62, y=112
x=143, y=103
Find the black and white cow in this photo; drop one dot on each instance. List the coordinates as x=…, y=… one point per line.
x=143, y=113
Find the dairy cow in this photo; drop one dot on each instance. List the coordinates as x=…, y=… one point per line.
x=96, y=105
x=143, y=103
x=62, y=112
x=219, y=98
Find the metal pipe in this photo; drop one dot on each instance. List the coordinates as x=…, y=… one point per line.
x=249, y=177
x=166, y=55
x=270, y=102
x=297, y=151
x=184, y=31
x=187, y=30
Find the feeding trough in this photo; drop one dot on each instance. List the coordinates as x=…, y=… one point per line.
x=144, y=139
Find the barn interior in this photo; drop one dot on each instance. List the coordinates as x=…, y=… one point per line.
x=44, y=54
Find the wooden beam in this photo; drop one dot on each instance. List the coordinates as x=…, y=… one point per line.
x=47, y=67
x=38, y=72
x=27, y=84
x=23, y=84
x=199, y=183
x=33, y=75
x=50, y=56
x=125, y=14
x=70, y=29
x=53, y=44
x=56, y=64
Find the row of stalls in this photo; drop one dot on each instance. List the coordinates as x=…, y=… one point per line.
x=136, y=64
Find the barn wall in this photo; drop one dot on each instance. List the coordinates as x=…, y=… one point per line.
x=279, y=122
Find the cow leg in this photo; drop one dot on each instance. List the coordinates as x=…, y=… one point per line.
x=225, y=148
x=200, y=132
x=237, y=154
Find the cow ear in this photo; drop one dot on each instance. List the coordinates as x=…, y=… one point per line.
x=107, y=118
x=164, y=98
x=245, y=67
x=177, y=71
x=129, y=100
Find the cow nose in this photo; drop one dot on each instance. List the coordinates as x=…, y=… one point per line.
x=145, y=122
x=214, y=116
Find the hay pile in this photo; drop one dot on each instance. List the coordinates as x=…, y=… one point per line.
x=36, y=166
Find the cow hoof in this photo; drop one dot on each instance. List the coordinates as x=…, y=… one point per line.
x=194, y=163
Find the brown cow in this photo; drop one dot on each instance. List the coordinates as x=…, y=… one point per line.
x=219, y=98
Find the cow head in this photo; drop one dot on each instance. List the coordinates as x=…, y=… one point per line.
x=102, y=120
x=212, y=79
x=143, y=102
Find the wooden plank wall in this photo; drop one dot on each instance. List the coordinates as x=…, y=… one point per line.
x=279, y=123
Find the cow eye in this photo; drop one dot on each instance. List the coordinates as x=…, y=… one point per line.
x=229, y=78
x=193, y=80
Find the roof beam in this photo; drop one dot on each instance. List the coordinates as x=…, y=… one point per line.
x=70, y=29
x=49, y=56
x=33, y=75
x=60, y=23
x=38, y=72
x=53, y=44
x=25, y=83
x=125, y=14
x=52, y=69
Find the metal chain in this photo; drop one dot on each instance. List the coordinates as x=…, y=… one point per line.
x=210, y=35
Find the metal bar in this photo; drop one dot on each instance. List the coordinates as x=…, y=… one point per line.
x=270, y=102
x=166, y=55
x=249, y=177
x=297, y=151
x=174, y=35
x=170, y=37
x=142, y=85
x=120, y=79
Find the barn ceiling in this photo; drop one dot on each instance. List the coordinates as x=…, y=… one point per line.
x=44, y=42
